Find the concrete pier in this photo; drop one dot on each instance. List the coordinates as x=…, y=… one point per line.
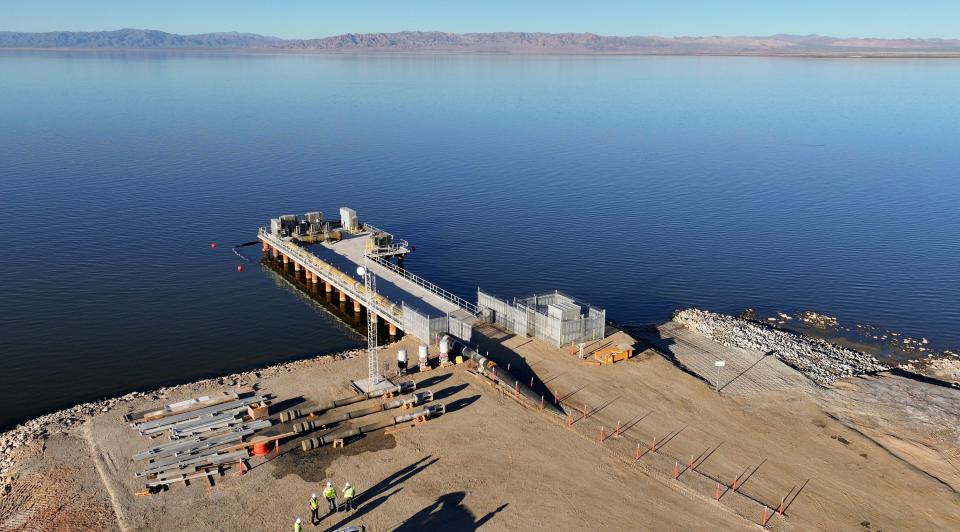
x=403, y=301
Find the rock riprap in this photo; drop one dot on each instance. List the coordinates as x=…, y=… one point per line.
x=820, y=360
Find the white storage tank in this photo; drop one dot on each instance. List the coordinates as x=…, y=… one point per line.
x=422, y=356
x=445, y=343
x=402, y=361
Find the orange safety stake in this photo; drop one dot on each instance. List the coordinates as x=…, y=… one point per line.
x=541, y=402
x=583, y=412
x=780, y=509
x=636, y=455
x=653, y=446
x=601, y=435
x=716, y=494
x=676, y=470
x=735, y=483
x=763, y=522
x=241, y=468
x=518, y=386
x=690, y=464
x=276, y=445
x=617, y=432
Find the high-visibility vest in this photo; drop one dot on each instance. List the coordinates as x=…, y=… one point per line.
x=348, y=492
x=314, y=503
x=330, y=493
x=297, y=527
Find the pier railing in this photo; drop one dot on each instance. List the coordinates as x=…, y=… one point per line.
x=427, y=285
x=343, y=281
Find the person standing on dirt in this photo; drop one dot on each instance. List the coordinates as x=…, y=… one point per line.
x=330, y=494
x=348, y=493
x=314, y=509
x=297, y=527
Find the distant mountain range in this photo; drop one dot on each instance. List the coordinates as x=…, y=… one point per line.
x=486, y=42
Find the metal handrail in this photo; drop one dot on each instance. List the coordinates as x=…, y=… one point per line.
x=419, y=281
x=383, y=304
x=394, y=247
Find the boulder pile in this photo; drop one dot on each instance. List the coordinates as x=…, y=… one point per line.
x=820, y=360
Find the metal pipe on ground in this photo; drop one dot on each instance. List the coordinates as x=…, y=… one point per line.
x=429, y=412
x=501, y=375
x=298, y=413
x=409, y=401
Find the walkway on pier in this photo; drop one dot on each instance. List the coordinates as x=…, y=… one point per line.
x=335, y=263
x=347, y=255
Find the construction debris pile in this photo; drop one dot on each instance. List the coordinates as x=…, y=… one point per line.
x=205, y=434
x=820, y=360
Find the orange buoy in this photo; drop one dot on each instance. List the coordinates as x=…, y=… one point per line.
x=213, y=245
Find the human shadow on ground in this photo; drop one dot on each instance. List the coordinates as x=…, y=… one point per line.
x=447, y=513
x=369, y=499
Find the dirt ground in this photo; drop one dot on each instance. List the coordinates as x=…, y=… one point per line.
x=496, y=463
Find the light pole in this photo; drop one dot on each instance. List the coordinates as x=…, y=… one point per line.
x=719, y=364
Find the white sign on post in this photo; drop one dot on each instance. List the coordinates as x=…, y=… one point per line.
x=719, y=364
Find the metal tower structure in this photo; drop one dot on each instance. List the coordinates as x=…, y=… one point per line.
x=373, y=363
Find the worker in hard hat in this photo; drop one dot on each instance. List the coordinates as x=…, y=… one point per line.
x=314, y=509
x=330, y=494
x=297, y=527
x=348, y=493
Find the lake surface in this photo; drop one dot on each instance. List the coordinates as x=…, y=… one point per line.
x=639, y=184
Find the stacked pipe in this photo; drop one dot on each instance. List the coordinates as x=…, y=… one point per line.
x=489, y=369
x=409, y=401
x=428, y=412
x=297, y=413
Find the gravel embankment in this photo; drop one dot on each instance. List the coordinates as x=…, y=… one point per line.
x=820, y=360
x=40, y=428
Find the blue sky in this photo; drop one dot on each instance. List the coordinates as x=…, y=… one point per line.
x=318, y=18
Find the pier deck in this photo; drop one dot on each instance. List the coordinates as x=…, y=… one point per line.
x=348, y=255
x=403, y=300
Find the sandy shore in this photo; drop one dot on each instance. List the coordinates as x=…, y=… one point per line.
x=862, y=452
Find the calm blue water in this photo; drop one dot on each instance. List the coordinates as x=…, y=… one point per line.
x=640, y=184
